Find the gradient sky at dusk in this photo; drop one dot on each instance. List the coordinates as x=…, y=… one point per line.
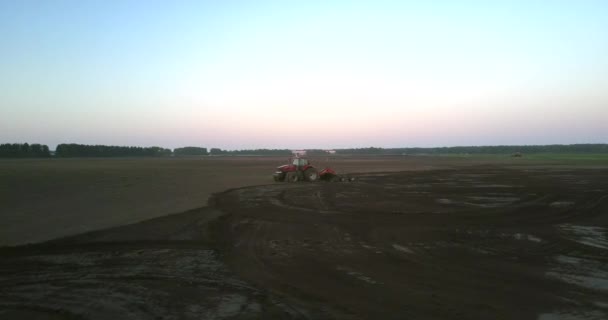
x=304, y=74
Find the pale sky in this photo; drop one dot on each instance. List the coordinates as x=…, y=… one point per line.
x=303, y=74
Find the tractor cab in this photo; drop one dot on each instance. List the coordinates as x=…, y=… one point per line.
x=300, y=163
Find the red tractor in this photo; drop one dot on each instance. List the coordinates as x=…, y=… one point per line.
x=301, y=169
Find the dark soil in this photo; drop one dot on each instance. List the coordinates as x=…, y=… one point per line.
x=471, y=243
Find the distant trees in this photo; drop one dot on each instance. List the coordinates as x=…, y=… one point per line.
x=261, y=152
x=526, y=149
x=81, y=150
x=190, y=151
x=250, y=152
x=216, y=151
x=24, y=150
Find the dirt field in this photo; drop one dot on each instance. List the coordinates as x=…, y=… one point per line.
x=483, y=243
x=461, y=241
x=49, y=198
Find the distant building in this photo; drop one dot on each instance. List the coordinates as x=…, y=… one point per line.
x=330, y=151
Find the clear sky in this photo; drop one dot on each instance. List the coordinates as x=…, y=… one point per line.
x=303, y=74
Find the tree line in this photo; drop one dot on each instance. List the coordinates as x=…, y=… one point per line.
x=71, y=150
x=24, y=150
x=199, y=151
x=250, y=152
x=526, y=149
x=81, y=150
x=190, y=151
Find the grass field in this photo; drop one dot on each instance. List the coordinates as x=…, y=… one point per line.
x=570, y=158
x=560, y=158
x=48, y=198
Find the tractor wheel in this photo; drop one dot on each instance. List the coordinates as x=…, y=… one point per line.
x=311, y=174
x=291, y=177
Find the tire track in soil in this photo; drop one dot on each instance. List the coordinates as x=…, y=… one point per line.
x=399, y=254
x=165, y=268
x=473, y=243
